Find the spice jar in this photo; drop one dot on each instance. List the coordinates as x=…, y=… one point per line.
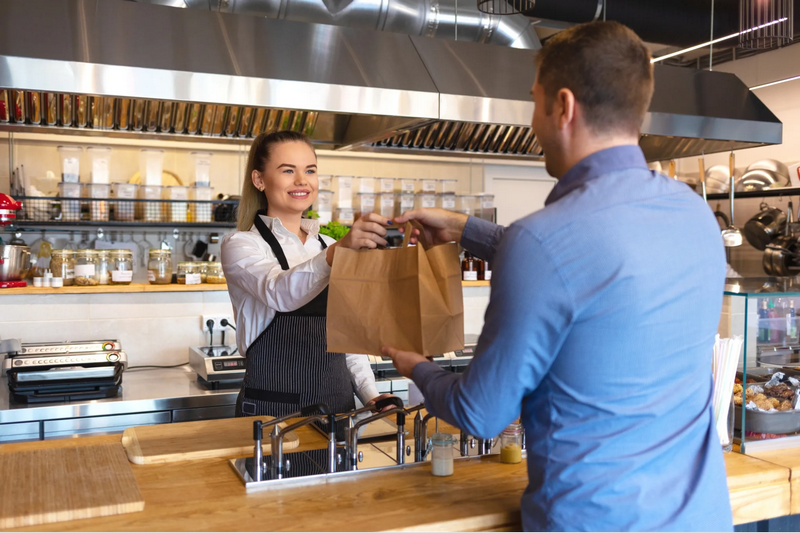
x=214, y=274
x=120, y=267
x=86, y=268
x=511, y=444
x=102, y=267
x=189, y=273
x=159, y=267
x=469, y=268
x=62, y=264
x=442, y=454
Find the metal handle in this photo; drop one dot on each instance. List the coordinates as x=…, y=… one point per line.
x=731, y=169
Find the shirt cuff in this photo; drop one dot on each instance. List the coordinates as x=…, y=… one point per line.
x=421, y=373
x=367, y=393
x=480, y=237
x=319, y=265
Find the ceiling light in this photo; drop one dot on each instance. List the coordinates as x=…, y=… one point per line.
x=754, y=13
x=774, y=83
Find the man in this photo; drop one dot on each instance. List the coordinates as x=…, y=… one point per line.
x=602, y=315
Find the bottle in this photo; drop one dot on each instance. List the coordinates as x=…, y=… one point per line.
x=791, y=323
x=469, y=268
x=783, y=312
x=772, y=313
x=763, y=323
x=487, y=271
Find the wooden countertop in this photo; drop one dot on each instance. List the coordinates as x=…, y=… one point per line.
x=483, y=494
x=789, y=458
x=105, y=289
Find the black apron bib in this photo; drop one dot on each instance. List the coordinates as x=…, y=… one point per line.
x=288, y=366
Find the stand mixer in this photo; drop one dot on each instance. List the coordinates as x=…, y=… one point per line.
x=14, y=259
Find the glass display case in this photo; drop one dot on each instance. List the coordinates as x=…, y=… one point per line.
x=767, y=402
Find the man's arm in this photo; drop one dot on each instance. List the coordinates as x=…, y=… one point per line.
x=482, y=237
x=528, y=318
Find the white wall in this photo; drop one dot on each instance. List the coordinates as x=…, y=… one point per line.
x=519, y=190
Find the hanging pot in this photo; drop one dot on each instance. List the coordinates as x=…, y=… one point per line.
x=764, y=227
x=782, y=257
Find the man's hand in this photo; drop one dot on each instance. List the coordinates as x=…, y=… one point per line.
x=381, y=397
x=404, y=362
x=369, y=231
x=440, y=226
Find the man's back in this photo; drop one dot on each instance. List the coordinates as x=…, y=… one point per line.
x=620, y=427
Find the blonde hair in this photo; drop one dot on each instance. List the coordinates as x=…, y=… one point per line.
x=253, y=200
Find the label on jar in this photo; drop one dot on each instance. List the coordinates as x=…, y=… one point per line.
x=428, y=185
x=387, y=200
x=85, y=271
x=69, y=273
x=121, y=276
x=470, y=276
x=368, y=200
x=407, y=186
x=428, y=201
x=151, y=276
x=448, y=202
x=489, y=204
x=406, y=202
x=387, y=185
x=193, y=279
x=487, y=275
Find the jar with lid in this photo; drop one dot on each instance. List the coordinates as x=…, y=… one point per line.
x=159, y=267
x=469, y=267
x=511, y=444
x=102, y=267
x=120, y=267
x=86, y=268
x=189, y=273
x=214, y=273
x=202, y=268
x=441, y=446
x=62, y=264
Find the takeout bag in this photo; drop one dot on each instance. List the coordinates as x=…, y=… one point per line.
x=409, y=298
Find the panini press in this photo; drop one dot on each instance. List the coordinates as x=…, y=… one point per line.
x=63, y=371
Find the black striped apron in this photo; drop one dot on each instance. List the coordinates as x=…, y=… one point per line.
x=288, y=366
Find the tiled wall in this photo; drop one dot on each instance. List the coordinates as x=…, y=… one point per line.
x=154, y=328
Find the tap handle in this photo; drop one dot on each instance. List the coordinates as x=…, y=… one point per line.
x=394, y=400
x=257, y=431
x=315, y=408
x=401, y=418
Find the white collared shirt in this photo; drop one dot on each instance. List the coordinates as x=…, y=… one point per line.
x=259, y=288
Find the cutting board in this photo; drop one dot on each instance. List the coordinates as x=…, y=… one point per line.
x=202, y=439
x=59, y=484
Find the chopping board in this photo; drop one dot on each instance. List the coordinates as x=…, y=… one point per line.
x=201, y=439
x=59, y=484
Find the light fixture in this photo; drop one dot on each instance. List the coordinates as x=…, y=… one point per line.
x=505, y=7
x=715, y=41
x=774, y=83
x=754, y=13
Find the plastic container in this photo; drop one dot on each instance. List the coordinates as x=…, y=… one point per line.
x=324, y=206
x=446, y=201
x=486, y=206
x=405, y=203
x=151, y=165
x=177, y=210
x=442, y=454
x=202, y=168
x=511, y=444
x=70, y=209
x=200, y=212
x=86, y=271
x=214, y=273
x=103, y=267
x=149, y=211
x=384, y=185
x=344, y=216
x=365, y=205
x=70, y=163
x=159, y=267
x=98, y=206
x=101, y=162
x=425, y=201
x=406, y=185
x=447, y=186
x=466, y=203
x=62, y=265
x=343, y=189
x=120, y=267
x=325, y=182
x=189, y=273
x=364, y=184
x=124, y=207
x=386, y=202
x=429, y=186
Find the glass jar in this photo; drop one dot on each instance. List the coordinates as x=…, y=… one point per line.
x=62, y=264
x=102, y=267
x=120, y=266
x=159, y=267
x=189, y=273
x=202, y=268
x=442, y=454
x=86, y=271
x=511, y=444
x=214, y=273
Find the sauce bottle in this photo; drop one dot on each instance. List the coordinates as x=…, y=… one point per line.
x=469, y=268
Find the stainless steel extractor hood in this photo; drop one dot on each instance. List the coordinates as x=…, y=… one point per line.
x=108, y=67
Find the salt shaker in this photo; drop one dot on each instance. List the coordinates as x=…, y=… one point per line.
x=442, y=454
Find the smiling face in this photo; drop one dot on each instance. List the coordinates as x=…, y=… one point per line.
x=289, y=179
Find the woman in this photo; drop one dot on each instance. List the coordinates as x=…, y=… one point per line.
x=278, y=266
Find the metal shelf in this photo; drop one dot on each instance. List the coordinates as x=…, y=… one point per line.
x=784, y=191
x=77, y=225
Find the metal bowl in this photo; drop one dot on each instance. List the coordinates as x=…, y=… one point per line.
x=764, y=174
x=718, y=179
x=14, y=262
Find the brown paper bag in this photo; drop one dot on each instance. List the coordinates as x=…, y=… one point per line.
x=409, y=298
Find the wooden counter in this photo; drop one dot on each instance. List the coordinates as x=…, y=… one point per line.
x=789, y=458
x=105, y=289
x=482, y=495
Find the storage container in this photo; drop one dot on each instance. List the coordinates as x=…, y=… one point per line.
x=386, y=202
x=406, y=185
x=201, y=164
x=447, y=201
x=70, y=209
x=120, y=267
x=405, y=203
x=384, y=185
x=429, y=186
x=324, y=206
x=149, y=211
x=98, y=206
x=202, y=267
x=365, y=204
x=214, y=273
x=344, y=216
x=151, y=165
x=200, y=212
x=86, y=272
x=343, y=191
x=102, y=267
x=441, y=446
x=189, y=273
x=467, y=204
x=159, y=267
x=177, y=209
x=325, y=182
x=101, y=163
x=487, y=206
x=447, y=186
x=124, y=206
x=425, y=201
x=70, y=163
x=62, y=265
x=364, y=184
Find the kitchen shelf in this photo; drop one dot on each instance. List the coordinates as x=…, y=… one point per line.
x=32, y=224
x=476, y=283
x=783, y=191
x=106, y=289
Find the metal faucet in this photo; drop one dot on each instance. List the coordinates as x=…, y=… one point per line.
x=421, y=436
x=351, y=455
x=276, y=441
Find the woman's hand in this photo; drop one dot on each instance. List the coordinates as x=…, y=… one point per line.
x=368, y=232
x=381, y=397
x=440, y=226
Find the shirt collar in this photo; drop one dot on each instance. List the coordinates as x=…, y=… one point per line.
x=594, y=166
x=311, y=227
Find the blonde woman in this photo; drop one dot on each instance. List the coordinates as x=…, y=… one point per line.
x=278, y=267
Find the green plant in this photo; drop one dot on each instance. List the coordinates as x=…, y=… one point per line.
x=334, y=230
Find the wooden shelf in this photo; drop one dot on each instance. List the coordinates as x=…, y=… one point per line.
x=105, y=289
x=475, y=283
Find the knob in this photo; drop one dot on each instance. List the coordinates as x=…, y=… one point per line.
x=18, y=362
x=113, y=357
x=288, y=465
x=408, y=451
x=338, y=458
x=471, y=443
x=360, y=456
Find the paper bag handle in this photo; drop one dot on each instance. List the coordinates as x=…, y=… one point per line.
x=411, y=225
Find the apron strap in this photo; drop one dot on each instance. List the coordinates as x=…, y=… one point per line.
x=268, y=236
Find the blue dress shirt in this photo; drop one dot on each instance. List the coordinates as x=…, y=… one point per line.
x=599, y=330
